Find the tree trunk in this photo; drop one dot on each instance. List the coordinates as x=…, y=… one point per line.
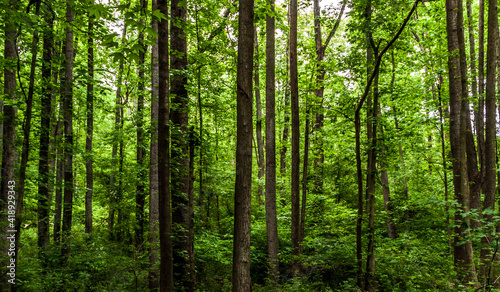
x=294, y=84
x=59, y=180
x=243, y=183
x=90, y=128
x=271, y=217
x=463, y=252
x=165, y=217
x=490, y=145
x=304, y=183
x=115, y=179
x=258, y=122
x=8, y=185
x=140, y=195
x=68, y=133
x=154, y=280
x=182, y=210
x=480, y=77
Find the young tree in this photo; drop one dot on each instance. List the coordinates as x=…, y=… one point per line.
x=243, y=181
x=90, y=125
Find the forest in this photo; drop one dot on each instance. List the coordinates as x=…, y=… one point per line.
x=249, y=145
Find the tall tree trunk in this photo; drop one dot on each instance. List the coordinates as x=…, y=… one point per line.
x=154, y=280
x=463, y=252
x=90, y=127
x=258, y=122
x=140, y=195
x=182, y=210
x=490, y=145
x=59, y=180
x=243, y=183
x=8, y=185
x=271, y=217
x=165, y=216
x=68, y=132
x=45, y=129
x=115, y=178
x=480, y=77
x=294, y=84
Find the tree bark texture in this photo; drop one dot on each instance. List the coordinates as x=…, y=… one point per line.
x=243, y=183
x=90, y=128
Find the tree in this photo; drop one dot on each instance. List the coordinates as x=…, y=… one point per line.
x=68, y=132
x=243, y=181
x=271, y=217
x=165, y=219
x=462, y=252
x=90, y=126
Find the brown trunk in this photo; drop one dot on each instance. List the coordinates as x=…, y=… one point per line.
x=8, y=183
x=295, y=180
x=271, y=217
x=43, y=166
x=154, y=280
x=243, y=184
x=462, y=251
x=182, y=210
x=140, y=195
x=490, y=145
x=258, y=122
x=68, y=133
x=115, y=179
x=480, y=77
x=90, y=129
x=59, y=181
x=165, y=217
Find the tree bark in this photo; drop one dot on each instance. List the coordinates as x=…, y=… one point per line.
x=140, y=195
x=182, y=209
x=243, y=183
x=154, y=280
x=258, y=122
x=462, y=252
x=490, y=143
x=295, y=180
x=165, y=219
x=68, y=133
x=90, y=127
x=271, y=217
x=8, y=185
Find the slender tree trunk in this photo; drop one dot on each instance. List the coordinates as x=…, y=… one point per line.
x=154, y=280
x=45, y=129
x=90, y=128
x=59, y=181
x=480, y=77
x=243, y=183
x=294, y=84
x=182, y=210
x=304, y=184
x=258, y=122
x=462, y=252
x=490, y=145
x=68, y=133
x=8, y=186
x=115, y=178
x=165, y=219
x=140, y=195
x=271, y=217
